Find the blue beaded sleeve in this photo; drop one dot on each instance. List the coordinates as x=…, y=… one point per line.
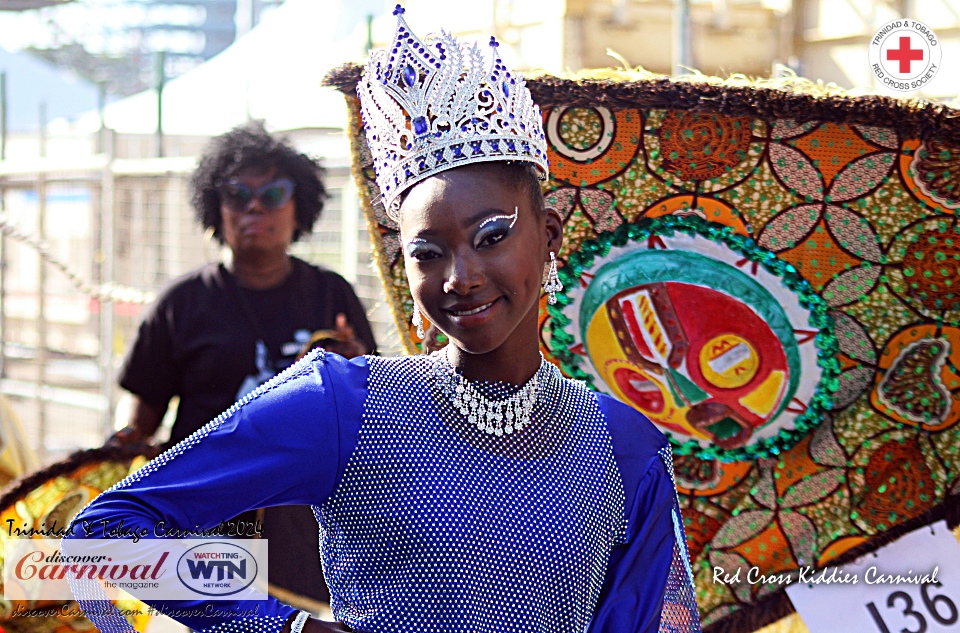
x=253, y=446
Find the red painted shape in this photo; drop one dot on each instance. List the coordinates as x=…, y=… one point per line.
x=754, y=266
x=805, y=336
x=639, y=389
x=655, y=241
x=905, y=55
x=633, y=327
x=796, y=406
x=706, y=313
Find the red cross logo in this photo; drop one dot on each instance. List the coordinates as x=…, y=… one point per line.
x=905, y=55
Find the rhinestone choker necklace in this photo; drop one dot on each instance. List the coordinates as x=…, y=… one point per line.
x=497, y=417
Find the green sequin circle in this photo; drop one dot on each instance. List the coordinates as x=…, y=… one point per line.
x=650, y=271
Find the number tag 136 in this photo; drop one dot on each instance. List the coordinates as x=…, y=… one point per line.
x=938, y=607
x=872, y=599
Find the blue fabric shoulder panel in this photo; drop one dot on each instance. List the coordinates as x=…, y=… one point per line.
x=635, y=443
x=350, y=381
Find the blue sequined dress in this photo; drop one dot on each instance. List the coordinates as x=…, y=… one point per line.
x=570, y=526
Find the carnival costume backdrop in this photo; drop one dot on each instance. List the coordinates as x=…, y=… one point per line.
x=773, y=278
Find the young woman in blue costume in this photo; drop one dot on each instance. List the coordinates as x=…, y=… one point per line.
x=472, y=490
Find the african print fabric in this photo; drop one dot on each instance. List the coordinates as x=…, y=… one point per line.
x=772, y=278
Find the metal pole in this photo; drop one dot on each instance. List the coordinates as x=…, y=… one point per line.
x=252, y=18
x=42, y=291
x=798, y=25
x=3, y=238
x=107, y=274
x=369, y=32
x=3, y=115
x=244, y=17
x=907, y=9
x=101, y=113
x=682, y=56
x=161, y=76
x=43, y=129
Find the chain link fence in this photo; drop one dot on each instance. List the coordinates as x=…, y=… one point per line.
x=85, y=249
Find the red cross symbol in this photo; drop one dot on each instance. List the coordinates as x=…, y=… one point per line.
x=905, y=54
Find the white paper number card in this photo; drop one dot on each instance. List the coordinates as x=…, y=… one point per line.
x=912, y=584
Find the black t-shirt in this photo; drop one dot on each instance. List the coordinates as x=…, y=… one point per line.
x=199, y=340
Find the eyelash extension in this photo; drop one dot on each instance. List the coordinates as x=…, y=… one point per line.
x=416, y=240
x=410, y=246
x=512, y=217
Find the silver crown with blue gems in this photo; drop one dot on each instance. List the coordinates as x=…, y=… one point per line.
x=429, y=106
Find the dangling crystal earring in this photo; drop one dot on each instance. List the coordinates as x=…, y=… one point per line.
x=552, y=286
x=418, y=321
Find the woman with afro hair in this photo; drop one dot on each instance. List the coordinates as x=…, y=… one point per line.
x=217, y=333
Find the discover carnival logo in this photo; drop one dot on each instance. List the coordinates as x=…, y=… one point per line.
x=98, y=569
x=905, y=55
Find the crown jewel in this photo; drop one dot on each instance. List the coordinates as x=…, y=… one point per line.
x=431, y=105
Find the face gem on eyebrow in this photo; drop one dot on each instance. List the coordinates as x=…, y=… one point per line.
x=512, y=217
x=417, y=240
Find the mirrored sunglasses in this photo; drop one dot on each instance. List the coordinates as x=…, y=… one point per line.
x=272, y=195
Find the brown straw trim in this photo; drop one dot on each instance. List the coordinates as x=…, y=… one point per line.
x=20, y=487
x=790, y=98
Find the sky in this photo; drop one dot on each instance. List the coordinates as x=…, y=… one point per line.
x=99, y=24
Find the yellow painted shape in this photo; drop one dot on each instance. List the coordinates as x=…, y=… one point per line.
x=651, y=323
x=728, y=361
x=764, y=398
x=602, y=341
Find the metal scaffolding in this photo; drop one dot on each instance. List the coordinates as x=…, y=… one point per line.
x=115, y=231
